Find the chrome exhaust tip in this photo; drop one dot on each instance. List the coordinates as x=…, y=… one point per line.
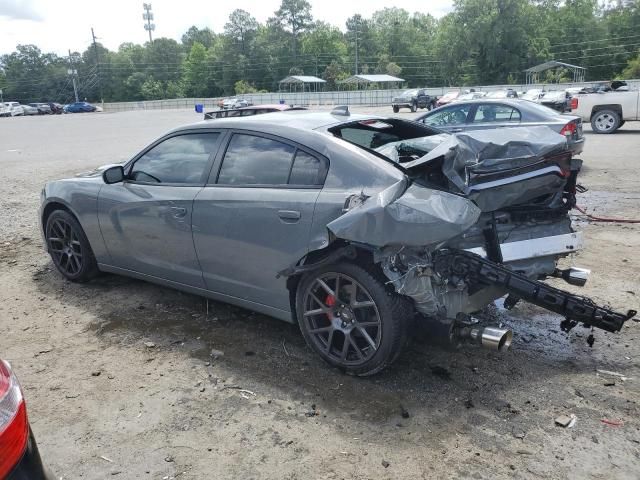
x=495, y=338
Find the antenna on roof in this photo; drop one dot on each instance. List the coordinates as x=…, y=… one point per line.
x=342, y=110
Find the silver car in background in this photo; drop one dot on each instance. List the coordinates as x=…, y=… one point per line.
x=485, y=113
x=353, y=226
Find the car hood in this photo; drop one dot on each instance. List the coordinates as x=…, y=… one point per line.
x=96, y=172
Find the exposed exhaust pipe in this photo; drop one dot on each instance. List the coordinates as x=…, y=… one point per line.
x=493, y=338
x=573, y=275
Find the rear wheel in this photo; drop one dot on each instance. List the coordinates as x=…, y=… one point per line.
x=69, y=248
x=605, y=121
x=396, y=109
x=348, y=317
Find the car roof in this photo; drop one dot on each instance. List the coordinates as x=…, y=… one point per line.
x=302, y=126
x=295, y=119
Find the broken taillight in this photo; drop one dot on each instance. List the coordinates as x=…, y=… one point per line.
x=574, y=103
x=569, y=129
x=14, y=427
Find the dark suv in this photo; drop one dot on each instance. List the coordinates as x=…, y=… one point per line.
x=413, y=100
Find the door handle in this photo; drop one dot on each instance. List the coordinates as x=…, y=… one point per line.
x=178, y=212
x=289, y=215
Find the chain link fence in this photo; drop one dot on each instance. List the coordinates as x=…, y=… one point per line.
x=369, y=98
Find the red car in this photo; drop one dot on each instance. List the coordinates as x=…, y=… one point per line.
x=19, y=456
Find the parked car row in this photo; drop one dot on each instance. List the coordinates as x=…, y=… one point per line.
x=16, y=109
x=558, y=100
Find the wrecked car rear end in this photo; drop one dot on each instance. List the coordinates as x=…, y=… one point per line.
x=475, y=216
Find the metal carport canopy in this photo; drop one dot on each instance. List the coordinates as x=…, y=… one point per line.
x=296, y=81
x=378, y=78
x=578, y=71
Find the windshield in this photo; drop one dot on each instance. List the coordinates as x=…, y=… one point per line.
x=409, y=93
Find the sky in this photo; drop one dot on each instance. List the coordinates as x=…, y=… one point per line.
x=60, y=25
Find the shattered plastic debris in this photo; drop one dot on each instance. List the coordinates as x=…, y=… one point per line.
x=609, y=373
x=566, y=421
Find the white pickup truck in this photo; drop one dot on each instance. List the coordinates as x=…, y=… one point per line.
x=607, y=111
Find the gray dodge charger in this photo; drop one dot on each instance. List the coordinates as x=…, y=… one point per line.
x=355, y=227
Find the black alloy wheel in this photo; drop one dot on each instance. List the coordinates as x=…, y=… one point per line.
x=348, y=317
x=69, y=247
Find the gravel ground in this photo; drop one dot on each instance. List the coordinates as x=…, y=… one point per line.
x=121, y=381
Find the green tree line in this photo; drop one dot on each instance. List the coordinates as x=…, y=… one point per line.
x=478, y=42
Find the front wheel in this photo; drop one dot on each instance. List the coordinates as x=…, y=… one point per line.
x=347, y=316
x=414, y=107
x=396, y=109
x=69, y=247
x=605, y=121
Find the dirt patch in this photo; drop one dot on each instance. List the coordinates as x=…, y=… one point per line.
x=130, y=380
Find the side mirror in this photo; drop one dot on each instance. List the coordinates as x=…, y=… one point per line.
x=113, y=175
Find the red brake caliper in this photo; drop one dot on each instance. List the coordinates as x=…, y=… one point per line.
x=330, y=301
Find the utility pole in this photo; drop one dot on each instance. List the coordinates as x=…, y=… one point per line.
x=73, y=72
x=95, y=49
x=357, y=26
x=148, y=16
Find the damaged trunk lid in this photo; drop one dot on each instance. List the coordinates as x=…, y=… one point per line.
x=529, y=166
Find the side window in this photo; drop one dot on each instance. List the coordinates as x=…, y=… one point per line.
x=180, y=159
x=307, y=170
x=456, y=115
x=496, y=113
x=252, y=160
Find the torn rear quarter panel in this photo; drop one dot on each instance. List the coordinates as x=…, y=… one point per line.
x=414, y=217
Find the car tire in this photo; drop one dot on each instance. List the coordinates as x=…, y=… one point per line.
x=396, y=109
x=69, y=247
x=414, y=108
x=605, y=121
x=360, y=330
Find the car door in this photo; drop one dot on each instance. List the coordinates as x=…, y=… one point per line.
x=146, y=220
x=253, y=219
x=452, y=118
x=494, y=115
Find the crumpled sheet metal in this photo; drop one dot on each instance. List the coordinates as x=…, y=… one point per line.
x=469, y=153
x=416, y=217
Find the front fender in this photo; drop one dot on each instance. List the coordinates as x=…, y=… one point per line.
x=80, y=198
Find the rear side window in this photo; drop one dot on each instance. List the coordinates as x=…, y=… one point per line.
x=254, y=160
x=307, y=170
x=181, y=159
x=496, y=113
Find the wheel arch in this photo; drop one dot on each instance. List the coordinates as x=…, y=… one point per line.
x=51, y=206
x=598, y=108
x=364, y=257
